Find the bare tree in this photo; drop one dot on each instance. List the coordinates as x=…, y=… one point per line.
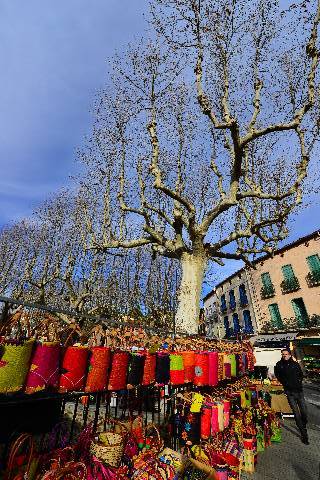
x=204, y=137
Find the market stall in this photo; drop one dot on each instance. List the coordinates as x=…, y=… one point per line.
x=210, y=420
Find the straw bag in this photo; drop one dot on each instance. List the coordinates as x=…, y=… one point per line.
x=152, y=439
x=16, y=471
x=14, y=365
x=110, y=445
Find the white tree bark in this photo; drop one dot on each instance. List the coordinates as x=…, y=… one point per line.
x=193, y=270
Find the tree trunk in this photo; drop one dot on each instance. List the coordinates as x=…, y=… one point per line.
x=193, y=269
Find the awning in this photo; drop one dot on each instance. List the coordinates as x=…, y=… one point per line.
x=273, y=338
x=308, y=341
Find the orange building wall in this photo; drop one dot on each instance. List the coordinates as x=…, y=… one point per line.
x=296, y=256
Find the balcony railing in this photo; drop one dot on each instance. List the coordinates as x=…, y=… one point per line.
x=267, y=292
x=244, y=302
x=290, y=285
x=313, y=279
x=223, y=308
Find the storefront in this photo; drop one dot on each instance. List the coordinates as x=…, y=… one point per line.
x=308, y=350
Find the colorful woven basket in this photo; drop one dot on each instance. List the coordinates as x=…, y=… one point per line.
x=14, y=365
x=44, y=369
x=188, y=361
x=149, y=371
x=201, y=369
x=99, y=364
x=74, y=369
x=162, y=368
x=176, y=369
x=213, y=368
x=135, y=369
x=118, y=374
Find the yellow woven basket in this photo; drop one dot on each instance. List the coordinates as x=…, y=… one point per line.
x=109, y=449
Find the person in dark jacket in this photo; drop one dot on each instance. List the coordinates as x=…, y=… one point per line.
x=289, y=373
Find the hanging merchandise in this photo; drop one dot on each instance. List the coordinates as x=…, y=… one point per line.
x=162, y=368
x=188, y=361
x=233, y=363
x=227, y=366
x=149, y=372
x=45, y=367
x=201, y=369
x=213, y=368
x=220, y=366
x=176, y=369
x=206, y=422
x=99, y=363
x=135, y=369
x=14, y=364
x=118, y=374
x=74, y=369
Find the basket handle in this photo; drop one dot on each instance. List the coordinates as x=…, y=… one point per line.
x=21, y=440
x=78, y=470
x=109, y=420
x=151, y=426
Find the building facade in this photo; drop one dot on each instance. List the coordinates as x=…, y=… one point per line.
x=287, y=286
x=282, y=293
x=229, y=309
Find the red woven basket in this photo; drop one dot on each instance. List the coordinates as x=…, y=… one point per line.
x=74, y=369
x=99, y=364
x=201, y=369
x=149, y=372
x=119, y=368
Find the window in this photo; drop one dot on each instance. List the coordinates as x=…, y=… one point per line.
x=236, y=324
x=313, y=278
x=243, y=295
x=300, y=312
x=276, y=319
x=267, y=289
x=223, y=303
x=227, y=326
x=314, y=263
x=248, y=328
x=232, y=298
x=290, y=282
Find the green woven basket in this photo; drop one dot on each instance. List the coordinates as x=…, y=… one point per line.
x=14, y=365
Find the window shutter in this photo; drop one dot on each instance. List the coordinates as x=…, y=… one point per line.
x=314, y=263
x=236, y=324
x=266, y=281
x=275, y=315
x=287, y=271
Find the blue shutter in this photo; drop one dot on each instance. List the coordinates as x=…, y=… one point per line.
x=236, y=324
x=248, y=328
x=227, y=326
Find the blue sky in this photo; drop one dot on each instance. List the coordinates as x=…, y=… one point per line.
x=53, y=59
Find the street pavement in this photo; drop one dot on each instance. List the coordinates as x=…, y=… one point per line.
x=291, y=459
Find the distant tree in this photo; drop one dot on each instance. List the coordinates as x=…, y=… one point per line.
x=203, y=139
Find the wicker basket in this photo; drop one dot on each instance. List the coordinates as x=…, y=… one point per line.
x=110, y=445
x=109, y=449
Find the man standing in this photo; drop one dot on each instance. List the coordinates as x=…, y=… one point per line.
x=289, y=373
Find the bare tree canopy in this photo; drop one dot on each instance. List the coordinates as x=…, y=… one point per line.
x=204, y=136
